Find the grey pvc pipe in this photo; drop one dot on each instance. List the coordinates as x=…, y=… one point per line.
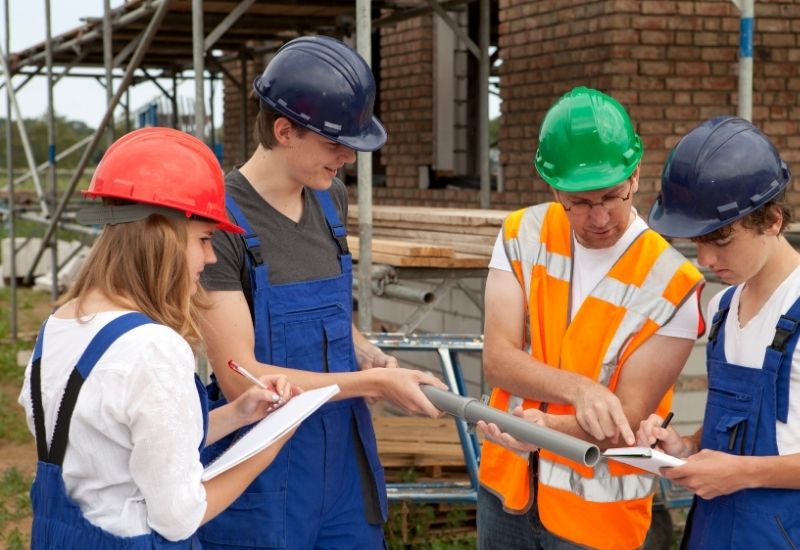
x=472, y=410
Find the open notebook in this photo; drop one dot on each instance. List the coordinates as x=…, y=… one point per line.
x=643, y=457
x=270, y=428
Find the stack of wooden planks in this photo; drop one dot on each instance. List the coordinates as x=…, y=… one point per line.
x=429, y=236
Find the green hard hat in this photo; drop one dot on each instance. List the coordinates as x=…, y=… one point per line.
x=587, y=142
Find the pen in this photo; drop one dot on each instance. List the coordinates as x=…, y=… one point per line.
x=664, y=424
x=244, y=372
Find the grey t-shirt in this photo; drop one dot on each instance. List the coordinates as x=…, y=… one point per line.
x=292, y=251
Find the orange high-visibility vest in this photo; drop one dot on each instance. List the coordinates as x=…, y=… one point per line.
x=608, y=506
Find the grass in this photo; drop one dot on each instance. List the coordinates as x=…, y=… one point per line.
x=63, y=177
x=15, y=506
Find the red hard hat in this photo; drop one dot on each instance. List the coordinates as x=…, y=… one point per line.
x=165, y=168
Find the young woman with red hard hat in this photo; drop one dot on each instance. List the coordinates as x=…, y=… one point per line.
x=110, y=394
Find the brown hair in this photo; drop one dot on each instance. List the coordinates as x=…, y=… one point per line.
x=265, y=121
x=757, y=220
x=142, y=266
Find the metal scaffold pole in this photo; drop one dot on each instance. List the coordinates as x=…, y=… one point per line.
x=51, y=147
x=23, y=133
x=108, y=61
x=483, y=105
x=12, y=228
x=746, y=28
x=199, y=67
x=364, y=46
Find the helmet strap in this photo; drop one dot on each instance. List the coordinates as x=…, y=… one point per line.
x=107, y=214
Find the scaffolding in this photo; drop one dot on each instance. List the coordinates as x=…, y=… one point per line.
x=153, y=40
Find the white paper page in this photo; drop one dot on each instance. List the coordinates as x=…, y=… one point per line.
x=643, y=457
x=270, y=428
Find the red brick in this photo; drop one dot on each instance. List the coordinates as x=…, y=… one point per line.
x=778, y=39
x=655, y=68
x=710, y=98
x=655, y=97
x=692, y=68
x=628, y=6
x=681, y=112
x=710, y=38
x=649, y=23
x=773, y=25
x=779, y=128
x=718, y=54
x=647, y=52
x=682, y=53
x=682, y=83
x=659, y=7
x=779, y=70
x=715, y=8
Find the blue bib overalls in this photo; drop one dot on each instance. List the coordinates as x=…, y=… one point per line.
x=742, y=408
x=58, y=522
x=312, y=495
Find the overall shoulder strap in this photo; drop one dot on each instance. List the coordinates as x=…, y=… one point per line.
x=722, y=313
x=36, y=396
x=251, y=240
x=96, y=348
x=778, y=357
x=337, y=228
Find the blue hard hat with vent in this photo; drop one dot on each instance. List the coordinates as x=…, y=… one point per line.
x=324, y=85
x=718, y=173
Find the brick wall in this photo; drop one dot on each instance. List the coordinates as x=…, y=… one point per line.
x=232, y=137
x=406, y=105
x=671, y=63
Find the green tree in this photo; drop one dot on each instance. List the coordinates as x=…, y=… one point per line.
x=68, y=132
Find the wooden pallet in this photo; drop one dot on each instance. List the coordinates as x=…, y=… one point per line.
x=429, y=446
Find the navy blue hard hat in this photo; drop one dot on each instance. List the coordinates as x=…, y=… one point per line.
x=718, y=173
x=323, y=84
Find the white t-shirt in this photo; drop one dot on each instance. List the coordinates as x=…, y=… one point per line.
x=132, y=462
x=592, y=264
x=746, y=346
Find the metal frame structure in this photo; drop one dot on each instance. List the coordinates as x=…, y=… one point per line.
x=170, y=36
x=447, y=346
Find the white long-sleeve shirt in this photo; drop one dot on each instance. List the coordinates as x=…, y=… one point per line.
x=132, y=462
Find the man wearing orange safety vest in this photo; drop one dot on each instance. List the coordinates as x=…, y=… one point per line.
x=590, y=317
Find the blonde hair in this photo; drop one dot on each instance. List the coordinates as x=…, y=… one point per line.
x=142, y=265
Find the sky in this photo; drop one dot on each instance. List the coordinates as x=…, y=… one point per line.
x=79, y=98
x=76, y=98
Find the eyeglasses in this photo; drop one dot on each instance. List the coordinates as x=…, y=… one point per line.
x=584, y=208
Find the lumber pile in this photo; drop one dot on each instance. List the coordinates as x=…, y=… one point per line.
x=429, y=236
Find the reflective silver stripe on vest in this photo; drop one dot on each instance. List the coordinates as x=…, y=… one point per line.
x=534, y=252
x=530, y=251
x=603, y=487
x=640, y=303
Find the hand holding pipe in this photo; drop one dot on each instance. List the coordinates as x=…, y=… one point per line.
x=472, y=410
